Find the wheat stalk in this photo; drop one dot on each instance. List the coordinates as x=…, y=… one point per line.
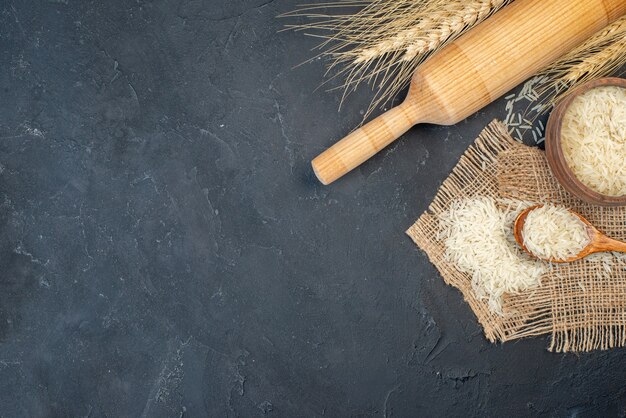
x=386, y=40
x=601, y=55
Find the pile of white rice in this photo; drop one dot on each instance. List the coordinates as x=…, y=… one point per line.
x=593, y=138
x=554, y=233
x=479, y=241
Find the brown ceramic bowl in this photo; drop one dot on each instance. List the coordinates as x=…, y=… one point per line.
x=556, y=158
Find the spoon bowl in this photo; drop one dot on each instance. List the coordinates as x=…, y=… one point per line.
x=598, y=242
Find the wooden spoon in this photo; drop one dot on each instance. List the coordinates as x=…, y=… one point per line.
x=598, y=241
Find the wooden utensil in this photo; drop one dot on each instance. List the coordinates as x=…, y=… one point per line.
x=556, y=157
x=474, y=70
x=598, y=241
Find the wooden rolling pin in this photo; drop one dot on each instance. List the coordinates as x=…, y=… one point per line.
x=475, y=70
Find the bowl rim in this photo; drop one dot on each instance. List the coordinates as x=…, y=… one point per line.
x=554, y=149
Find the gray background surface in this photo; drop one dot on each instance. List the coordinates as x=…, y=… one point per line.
x=166, y=251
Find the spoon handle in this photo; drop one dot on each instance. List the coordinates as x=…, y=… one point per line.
x=603, y=243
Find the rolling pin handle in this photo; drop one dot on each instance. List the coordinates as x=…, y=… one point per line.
x=363, y=143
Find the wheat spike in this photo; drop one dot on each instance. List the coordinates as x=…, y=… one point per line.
x=385, y=41
x=601, y=55
x=437, y=26
x=604, y=61
x=450, y=27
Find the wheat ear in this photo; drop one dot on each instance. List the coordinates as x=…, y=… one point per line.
x=439, y=23
x=385, y=41
x=434, y=29
x=601, y=55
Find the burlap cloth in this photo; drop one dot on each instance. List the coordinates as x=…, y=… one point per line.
x=581, y=304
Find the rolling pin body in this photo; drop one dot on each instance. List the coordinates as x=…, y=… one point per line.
x=475, y=70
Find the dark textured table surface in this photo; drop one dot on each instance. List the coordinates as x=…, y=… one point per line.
x=166, y=250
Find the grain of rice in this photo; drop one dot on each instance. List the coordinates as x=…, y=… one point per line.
x=522, y=101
